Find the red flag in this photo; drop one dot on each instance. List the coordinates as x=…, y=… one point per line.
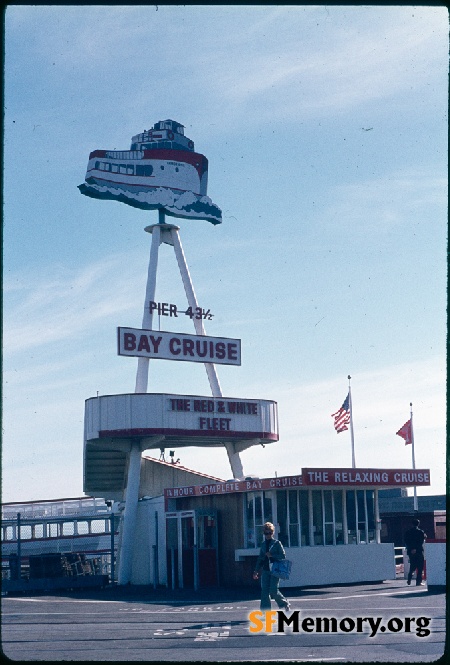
x=406, y=432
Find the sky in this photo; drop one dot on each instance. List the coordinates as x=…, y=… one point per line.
x=325, y=128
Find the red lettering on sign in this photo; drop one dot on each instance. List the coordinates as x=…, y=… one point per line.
x=215, y=424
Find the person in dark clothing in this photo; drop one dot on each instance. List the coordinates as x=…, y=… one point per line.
x=414, y=540
x=271, y=550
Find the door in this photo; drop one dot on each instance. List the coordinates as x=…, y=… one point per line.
x=188, y=551
x=192, y=552
x=207, y=550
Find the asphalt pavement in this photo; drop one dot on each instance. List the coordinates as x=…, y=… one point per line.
x=387, y=622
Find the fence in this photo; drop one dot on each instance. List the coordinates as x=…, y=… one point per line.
x=51, y=548
x=399, y=565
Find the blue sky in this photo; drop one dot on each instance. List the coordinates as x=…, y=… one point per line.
x=326, y=133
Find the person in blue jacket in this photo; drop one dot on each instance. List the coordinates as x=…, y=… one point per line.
x=271, y=550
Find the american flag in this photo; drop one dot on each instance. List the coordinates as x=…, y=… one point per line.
x=342, y=417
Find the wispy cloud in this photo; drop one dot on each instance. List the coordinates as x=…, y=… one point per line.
x=312, y=60
x=63, y=303
x=341, y=68
x=379, y=205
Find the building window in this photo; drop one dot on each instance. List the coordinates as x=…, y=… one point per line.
x=313, y=517
x=258, y=510
x=83, y=527
x=25, y=532
x=39, y=531
x=8, y=533
x=53, y=530
x=328, y=517
x=144, y=170
x=370, y=505
x=304, y=518
x=360, y=516
x=282, y=518
x=294, y=519
x=317, y=517
x=351, y=516
x=338, y=517
x=68, y=529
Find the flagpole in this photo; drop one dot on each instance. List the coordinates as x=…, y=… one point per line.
x=413, y=456
x=351, y=422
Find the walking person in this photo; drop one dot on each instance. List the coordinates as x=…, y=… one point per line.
x=414, y=540
x=271, y=550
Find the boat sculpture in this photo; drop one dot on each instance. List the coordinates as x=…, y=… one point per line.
x=160, y=171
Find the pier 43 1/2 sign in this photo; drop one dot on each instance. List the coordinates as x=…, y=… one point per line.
x=178, y=346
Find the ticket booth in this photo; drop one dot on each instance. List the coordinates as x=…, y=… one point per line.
x=192, y=552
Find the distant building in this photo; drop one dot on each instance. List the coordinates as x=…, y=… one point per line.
x=397, y=511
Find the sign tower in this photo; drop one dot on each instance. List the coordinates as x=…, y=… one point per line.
x=162, y=172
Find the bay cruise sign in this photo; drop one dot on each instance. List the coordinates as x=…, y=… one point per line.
x=178, y=346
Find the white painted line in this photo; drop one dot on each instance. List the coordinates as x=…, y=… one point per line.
x=358, y=595
x=62, y=600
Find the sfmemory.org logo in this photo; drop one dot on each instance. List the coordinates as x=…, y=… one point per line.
x=275, y=621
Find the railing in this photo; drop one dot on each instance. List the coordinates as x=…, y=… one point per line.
x=58, y=508
x=399, y=567
x=125, y=154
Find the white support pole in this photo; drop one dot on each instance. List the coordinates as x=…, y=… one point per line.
x=192, y=302
x=129, y=517
x=413, y=458
x=134, y=459
x=147, y=317
x=233, y=457
x=351, y=422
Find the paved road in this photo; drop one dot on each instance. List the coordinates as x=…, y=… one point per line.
x=112, y=626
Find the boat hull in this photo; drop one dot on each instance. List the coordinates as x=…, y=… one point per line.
x=174, y=202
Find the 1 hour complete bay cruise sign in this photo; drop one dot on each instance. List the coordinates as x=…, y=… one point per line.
x=178, y=346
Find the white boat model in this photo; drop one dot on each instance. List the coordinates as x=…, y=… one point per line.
x=160, y=171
